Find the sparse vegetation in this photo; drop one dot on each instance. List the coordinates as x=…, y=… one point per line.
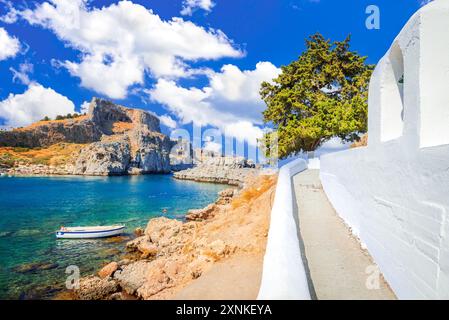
x=64, y=117
x=68, y=116
x=363, y=142
x=55, y=155
x=251, y=193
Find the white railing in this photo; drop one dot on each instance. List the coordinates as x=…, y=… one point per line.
x=284, y=276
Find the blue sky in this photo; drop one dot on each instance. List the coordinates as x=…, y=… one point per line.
x=204, y=68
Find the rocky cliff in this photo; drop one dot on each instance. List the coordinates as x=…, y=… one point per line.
x=222, y=169
x=117, y=140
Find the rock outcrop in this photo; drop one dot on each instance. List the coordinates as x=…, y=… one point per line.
x=104, y=157
x=118, y=141
x=227, y=170
x=80, y=130
x=170, y=253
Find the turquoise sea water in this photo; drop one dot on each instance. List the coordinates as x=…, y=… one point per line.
x=33, y=262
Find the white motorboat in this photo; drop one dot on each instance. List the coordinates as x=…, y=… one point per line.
x=89, y=232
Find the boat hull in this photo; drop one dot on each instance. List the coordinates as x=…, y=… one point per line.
x=89, y=234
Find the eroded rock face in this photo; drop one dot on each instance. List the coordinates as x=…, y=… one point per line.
x=118, y=141
x=47, y=134
x=217, y=174
x=104, y=158
x=105, y=113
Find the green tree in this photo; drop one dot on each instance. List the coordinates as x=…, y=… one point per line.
x=321, y=95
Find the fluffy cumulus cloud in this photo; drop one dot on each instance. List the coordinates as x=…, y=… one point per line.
x=84, y=108
x=121, y=42
x=212, y=146
x=189, y=6
x=230, y=102
x=9, y=46
x=32, y=105
x=168, y=121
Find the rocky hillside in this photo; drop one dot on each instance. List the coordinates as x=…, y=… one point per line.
x=223, y=169
x=169, y=256
x=115, y=141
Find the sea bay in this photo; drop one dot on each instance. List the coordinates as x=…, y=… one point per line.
x=33, y=262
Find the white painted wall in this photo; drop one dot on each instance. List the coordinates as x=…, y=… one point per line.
x=395, y=192
x=284, y=276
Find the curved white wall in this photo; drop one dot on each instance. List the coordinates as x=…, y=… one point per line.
x=394, y=194
x=284, y=275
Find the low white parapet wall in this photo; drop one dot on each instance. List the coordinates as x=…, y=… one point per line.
x=284, y=276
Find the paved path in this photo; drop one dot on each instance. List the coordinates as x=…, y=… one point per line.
x=336, y=262
x=237, y=278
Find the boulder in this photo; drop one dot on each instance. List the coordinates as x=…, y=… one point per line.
x=132, y=276
x=156, y=280
x=201, y=214
x=162, y=230
x=108, y=270
x=147, y=249
x=95, y=288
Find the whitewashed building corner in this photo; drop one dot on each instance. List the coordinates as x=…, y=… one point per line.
x=394, y=192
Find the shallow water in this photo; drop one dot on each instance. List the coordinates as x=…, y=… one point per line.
x=33, y=262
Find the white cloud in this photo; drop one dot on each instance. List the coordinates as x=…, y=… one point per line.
x=212, y=146
x=120, y=42
x=230, y=103
x=168, y=121
x=188, y=6
x=9, y=46
x=85, y=107
x=32, y=105
x=22, y=75
x=11, y=15
x=238, y=91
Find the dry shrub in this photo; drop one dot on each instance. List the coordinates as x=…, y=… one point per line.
x=121, y=127
x=42, y=122
x=363, y=142
x=57, y=154
x=254, y=191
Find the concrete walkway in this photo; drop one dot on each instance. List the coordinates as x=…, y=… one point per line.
x=338, y=267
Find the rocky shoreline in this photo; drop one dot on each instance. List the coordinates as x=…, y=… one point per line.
x=227, y=170
x=170, y=254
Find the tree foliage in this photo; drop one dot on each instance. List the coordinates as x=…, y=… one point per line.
x=321, y=95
